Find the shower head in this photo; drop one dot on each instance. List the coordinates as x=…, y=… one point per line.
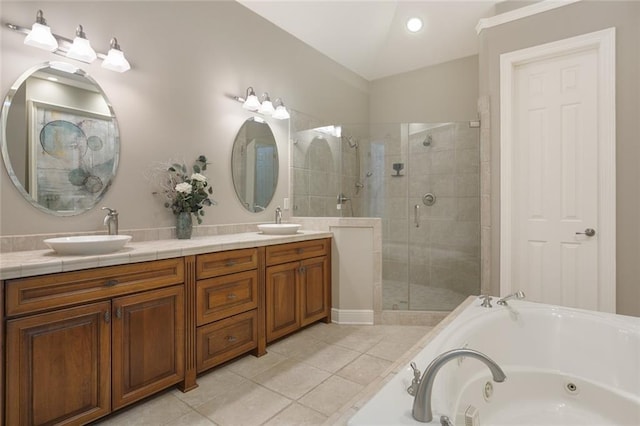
x=350, y=141
x=428, y=140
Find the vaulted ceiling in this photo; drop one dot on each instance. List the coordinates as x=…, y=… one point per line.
x=370, y=37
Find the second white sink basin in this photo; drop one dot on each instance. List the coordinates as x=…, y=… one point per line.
x=88, y=244
x=279, y=228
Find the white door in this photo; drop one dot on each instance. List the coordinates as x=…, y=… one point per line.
x=556, y=210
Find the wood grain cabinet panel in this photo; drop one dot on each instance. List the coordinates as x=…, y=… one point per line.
x=226, y=262
x=34, y=294
x=315, y=303
x=225, y=296
x=223, y=340
x=283, y=253
x=282, y=300
x=59, y=366
x=148, y=343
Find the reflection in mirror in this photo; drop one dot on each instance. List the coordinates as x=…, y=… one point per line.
x=254, y=165
x=60, y=139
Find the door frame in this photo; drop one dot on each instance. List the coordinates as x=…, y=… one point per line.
x=604, y=43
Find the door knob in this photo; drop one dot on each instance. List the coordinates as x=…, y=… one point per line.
x=589, y=232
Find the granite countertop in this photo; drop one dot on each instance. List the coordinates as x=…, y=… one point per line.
x=39, y=262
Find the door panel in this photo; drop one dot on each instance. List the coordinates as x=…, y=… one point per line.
x=283, y=313
x=314, y=290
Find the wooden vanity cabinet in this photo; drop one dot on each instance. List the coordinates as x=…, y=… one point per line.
x=73, y=364
x=298, y=286
x=228, y=306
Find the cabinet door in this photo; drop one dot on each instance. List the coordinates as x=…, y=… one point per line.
x=148, y=343
x=58, y=366
x=282, y=305
x=314, y=290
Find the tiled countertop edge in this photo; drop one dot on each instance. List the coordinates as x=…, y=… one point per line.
x=39, y=262
x=342, y=416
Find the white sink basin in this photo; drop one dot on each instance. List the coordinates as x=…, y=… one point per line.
x=279, y=228
x=88, y=244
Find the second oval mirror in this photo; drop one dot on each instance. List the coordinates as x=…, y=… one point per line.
x=254, y=165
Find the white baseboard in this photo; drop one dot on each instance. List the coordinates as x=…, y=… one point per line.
x=351, y=316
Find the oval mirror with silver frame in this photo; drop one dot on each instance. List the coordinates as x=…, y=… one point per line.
x=60, y=139
x=254, y=165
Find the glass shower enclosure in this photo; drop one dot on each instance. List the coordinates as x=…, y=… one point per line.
x=422, y=180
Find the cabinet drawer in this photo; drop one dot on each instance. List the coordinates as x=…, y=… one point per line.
x=34, y=294
x=226, y=339
x=283, y=253
x=226, y=262
x=224, y=296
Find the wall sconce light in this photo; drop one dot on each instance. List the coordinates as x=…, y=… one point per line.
x=266, y=107
x=281, y=112
x=79, y=48
x=115, y=60
x=40, y=35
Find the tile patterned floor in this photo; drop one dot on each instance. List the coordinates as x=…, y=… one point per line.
x=302, y=380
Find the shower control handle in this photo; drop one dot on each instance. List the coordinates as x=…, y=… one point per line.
x=589, y=232
x=416, y=215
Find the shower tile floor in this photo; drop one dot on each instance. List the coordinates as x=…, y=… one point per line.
x=396, y=295
x=304, y=379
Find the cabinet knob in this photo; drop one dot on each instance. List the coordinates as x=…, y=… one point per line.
x=107, y=317
x=231, y=339
x=110, y=283
x=231, y=296
x=302, y=269
x=230, y=263
x=119, y=312
x=300, y=251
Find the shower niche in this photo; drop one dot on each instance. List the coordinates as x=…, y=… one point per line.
x=422, y=180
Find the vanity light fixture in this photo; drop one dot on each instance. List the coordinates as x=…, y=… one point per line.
x=115, y=60
x=251, y=102
x=81, y=49
x=281, y=112
x=266, y=107
x=40, y=35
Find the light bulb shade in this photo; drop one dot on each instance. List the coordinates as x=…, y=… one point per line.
x=251, y=103
x=41, y=37
x=266, y=107
x=81, y=50
x=115, y=61
x=281, y=113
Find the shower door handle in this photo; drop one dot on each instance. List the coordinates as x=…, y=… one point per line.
x=416, y=215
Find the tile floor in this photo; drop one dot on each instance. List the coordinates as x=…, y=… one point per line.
x=302, y=380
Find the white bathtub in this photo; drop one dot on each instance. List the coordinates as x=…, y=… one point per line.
x=564, y=367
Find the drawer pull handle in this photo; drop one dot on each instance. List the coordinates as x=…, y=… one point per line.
x=230, y=263
x=107, y=317
x=231, y=339
x=110, y=283
x=302, y=269
x=231, y=296
x=118, y=312
x=300, y=250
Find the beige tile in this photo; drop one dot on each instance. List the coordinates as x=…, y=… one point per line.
x=247, y=404
x=296, y=345
x=360, y=339
x=291, y=378
x=330, y=358
x=250, y=366
x=389, y=350
x=297, y=415
x=211, y=385
x=331, y=395
x=365, y=369
x=191, y=419
x=160, y=410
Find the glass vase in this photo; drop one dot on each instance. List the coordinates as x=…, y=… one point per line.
x=184, y=226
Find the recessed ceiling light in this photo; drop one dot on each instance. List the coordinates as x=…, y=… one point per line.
x=414, y=24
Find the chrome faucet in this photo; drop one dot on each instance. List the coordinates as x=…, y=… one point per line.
x=422, y=401
x=517, y=295
x=111, y=221
x=278, y=215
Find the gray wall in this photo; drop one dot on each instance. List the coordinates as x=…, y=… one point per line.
x=174, y=103
x=441, y=93
x=575, y=19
